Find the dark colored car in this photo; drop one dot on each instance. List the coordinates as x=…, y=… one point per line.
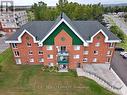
x=119, y=49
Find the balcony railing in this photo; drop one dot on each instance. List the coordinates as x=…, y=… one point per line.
x=65, y=53
x=64, y=61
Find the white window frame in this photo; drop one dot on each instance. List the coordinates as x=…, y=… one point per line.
x=14, y=45
x=15, y=53
x=41, y=51
x=30, y=53
x=31, y=60
x=94, y=59
x=18, y=61
x=51, y=56
x=41, y=59
x=76, y=47
x=111, y=45
x=109, y=53
x=108, y=58
x=96, y=52
x=85, y=52
x=85, y=59
x=49, y=47
x=28, y=45
x=97, y=44
x=77, y=56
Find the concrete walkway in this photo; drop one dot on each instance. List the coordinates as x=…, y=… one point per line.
x=102, y=70
x=102, y=75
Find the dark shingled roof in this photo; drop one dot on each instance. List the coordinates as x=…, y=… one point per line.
x=85, y=29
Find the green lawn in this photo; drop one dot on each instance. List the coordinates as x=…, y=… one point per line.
x=30, y=80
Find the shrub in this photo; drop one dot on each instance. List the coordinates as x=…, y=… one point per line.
x=0, y=68
x=49, y=69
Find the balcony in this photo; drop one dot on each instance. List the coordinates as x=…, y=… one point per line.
x=64, y=53
x=62, y=60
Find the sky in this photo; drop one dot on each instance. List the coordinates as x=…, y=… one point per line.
x=53, y=2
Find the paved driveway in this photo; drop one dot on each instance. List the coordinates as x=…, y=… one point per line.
x=3, y=45
x=119, y=65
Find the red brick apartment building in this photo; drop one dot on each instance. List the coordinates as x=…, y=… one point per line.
x=63, y=43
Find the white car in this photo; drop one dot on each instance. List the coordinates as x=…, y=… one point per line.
x=123, y=53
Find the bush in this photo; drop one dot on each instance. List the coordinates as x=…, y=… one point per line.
x=49, y=69
x=1, y=35
x=119, y=33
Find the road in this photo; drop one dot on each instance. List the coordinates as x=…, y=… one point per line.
x=119, y=65
x=119, y=22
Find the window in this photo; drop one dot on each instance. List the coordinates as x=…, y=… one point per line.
x=76, y=56
x=85, y=52
x=41, y=60
x=18, y=61
x=31, y=60
x=111, y=45
x=16, y=53
x=29, y=44
x=40, y=52
x=95, y=52
x=85, y=59
x=95, y=60
x=50, y=56
x=49, y=48
x=14, y=45
x=108, y=60
x=109, y=52
x=76, y=47
x=97, y=44
x=30, y=52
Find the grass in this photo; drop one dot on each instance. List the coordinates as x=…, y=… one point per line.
x=30, y=80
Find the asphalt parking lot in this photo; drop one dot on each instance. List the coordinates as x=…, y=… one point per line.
x=119, y=65
x=3, y=45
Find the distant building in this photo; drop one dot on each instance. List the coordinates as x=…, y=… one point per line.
x=10, y=22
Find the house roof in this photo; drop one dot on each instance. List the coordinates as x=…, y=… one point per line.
x=86, y=29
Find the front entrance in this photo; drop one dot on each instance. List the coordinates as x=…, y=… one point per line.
x=63, y=67
x=78, y=65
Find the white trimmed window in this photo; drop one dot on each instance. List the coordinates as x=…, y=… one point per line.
x=86, y=52
x=41, y=60
x=95, y=60
x=108, y=60
x=14, y=45
x=40, y=52
x=109, y=52
x=16, y=53
x=50, y=56
x=97, y=44
x=31, y=60
x=76, y=47
x=85, y=59
x=76, y=56
x=111, y=45
x=49, y=47
x=18, y=61
x=30, y=52
x=29, y=44
x=95, y=52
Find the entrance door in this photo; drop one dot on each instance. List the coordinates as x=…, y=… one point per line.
x=78, y=65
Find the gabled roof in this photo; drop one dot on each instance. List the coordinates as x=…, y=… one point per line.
x=86, y=29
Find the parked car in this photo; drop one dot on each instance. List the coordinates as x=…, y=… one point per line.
x=125, y=56
x=123, y=53
x=119, y=49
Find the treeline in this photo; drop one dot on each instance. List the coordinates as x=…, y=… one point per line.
x=74, y=10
